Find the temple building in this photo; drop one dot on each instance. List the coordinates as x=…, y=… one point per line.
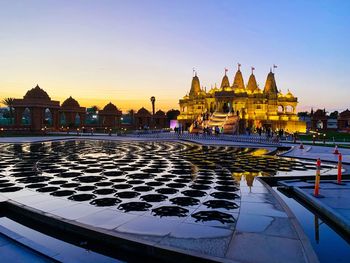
x=236, y=106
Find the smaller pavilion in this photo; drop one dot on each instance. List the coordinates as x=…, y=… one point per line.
x=160, y=120
x=37, y=104
x=319, y=119
x=110, y=116
x=71, y=114
x=143, y=119
x=344, y=120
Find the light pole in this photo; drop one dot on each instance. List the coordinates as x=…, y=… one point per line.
x=153, y=100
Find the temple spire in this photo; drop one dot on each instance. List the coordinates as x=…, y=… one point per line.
x=239, y=66
x=252, y=70
x=226, y=71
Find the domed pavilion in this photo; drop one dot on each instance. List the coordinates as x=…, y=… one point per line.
x=344, y=120
x=143, y=119
x=110, y=116
x=71, y=114
x=37, y=105
x=160, y=120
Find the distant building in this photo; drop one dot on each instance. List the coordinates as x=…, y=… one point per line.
x=344, y=120
x=36, y=111
x=319, y=120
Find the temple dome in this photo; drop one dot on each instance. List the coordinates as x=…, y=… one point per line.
x=270, y=85
x=195, y=86
x=289, y=95
x=252, y=85
x=238, y=83
x=110, y=107
x=225, y=83
x=70, y=103
x=37, y=93
x=143, y=111
x=160, y=113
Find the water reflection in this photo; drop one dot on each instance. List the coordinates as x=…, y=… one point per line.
x=139, y=176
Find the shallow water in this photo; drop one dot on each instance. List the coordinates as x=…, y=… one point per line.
x=327, y=243
x=166, y=178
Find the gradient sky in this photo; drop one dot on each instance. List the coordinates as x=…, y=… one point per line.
x=127, y=51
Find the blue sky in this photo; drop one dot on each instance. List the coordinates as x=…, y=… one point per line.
x=127, y=51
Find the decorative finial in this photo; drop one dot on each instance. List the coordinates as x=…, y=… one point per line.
x=226, y=71
x=253, y=70
x=239, y=66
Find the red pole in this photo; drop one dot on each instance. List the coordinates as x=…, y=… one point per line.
x=340, y=158
x=317, y=179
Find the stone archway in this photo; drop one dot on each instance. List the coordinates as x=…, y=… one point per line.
x=48, y=118
x=280, y=109
x=63, y=120
x=26, y=118
x=77, y=120
x=30, y=110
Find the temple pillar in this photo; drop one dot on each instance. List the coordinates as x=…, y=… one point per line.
x=37, y=118
x=82, y=119
x=18, y=116
x=55, y=119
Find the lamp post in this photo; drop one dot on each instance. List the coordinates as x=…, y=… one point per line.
x=153, y=100
x=313, y=139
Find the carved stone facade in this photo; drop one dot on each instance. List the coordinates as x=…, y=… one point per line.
x=256, y=108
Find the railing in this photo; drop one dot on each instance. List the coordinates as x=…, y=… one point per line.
x=223, y=137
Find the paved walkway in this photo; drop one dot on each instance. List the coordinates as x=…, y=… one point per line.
x=314, y=152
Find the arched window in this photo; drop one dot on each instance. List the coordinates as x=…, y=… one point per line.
x=26, y=117
x=47, y=117
x=289, y=109
x=77, y=120
x=63, y=119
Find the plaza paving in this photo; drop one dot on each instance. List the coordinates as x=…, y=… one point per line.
x=264, y=229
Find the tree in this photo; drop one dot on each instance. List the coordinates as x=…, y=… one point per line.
x=95, y=109
x=172, y=114
x=303, y=114
x=9, y=103
x=334, y=115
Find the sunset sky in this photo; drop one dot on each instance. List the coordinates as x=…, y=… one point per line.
x=127, y=51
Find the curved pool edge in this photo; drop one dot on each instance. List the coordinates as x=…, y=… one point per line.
x=309, y=252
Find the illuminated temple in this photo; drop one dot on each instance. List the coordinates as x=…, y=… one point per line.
x=239, y=106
